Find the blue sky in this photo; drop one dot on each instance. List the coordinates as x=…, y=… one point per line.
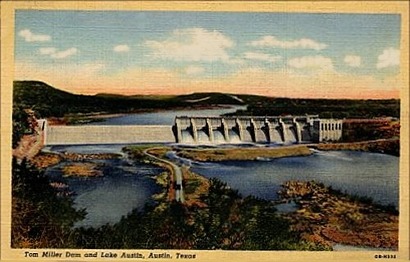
x=147, y=52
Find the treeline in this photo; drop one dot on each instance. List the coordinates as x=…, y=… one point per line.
x=227, y=221
x=20, y=124
x=48, y=101
x=356, y=130
x=325, y=108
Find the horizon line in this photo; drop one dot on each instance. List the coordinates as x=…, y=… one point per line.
x=206, y=92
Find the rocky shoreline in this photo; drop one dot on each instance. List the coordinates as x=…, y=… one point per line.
x=327, y=217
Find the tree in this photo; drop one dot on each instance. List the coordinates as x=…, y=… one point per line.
x=40, y=218
x=20, y=124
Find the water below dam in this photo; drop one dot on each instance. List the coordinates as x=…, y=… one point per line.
x=357, y=173
x=127, y=185
x=124, y=185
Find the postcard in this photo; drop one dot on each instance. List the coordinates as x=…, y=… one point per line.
x=203, y=131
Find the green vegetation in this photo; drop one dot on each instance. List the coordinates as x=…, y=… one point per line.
x=48, y=101
x=325, y=108
x=216, y=217
x=388, y=146
x=224, y=154
x=21, y=125
x=224, y=220
x=327, y=216
x=362, y=130
x=40, y=218
x=228, y=221
x=191, y=186
x=136, y=152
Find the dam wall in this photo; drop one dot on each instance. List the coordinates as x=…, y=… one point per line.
x=109, y=134
x=202, y=131
x=250, y=129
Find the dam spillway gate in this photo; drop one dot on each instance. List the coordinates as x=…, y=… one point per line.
x=247, y=129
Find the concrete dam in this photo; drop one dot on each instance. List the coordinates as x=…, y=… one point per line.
x=202, y=131
x=246, y=129
x=109, y=134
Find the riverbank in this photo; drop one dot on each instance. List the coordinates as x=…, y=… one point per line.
x=153, y=154
x=384, y=146
x=195, y=187
x=44, y=160
x=242, y=154
x=326, y=216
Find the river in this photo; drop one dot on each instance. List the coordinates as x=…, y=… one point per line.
x=127, y=185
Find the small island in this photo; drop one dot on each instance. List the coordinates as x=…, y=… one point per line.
x=82, y=170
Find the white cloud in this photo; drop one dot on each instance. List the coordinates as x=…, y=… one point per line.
x=31, y=37
x=53, y=53
x=262, y=57
x=390, y=57
x=193, y=44
x=88, y=78
x=48, y=50
x=121, y=48
x=353, y=60
x=311, y=62
x=194, y=70
x=65, y=53
x=272, y=41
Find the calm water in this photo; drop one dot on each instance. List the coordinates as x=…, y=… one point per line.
x=164, y=118
x=127, y=185
x=124, y=186
x=359, y=173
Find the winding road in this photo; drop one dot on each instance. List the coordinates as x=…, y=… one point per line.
x=179, y=190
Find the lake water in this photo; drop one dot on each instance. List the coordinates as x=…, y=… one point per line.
x=359, y=173
x=165, y=117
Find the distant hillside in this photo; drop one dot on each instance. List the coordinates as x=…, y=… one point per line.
x=326, y=108
x=49, y=101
